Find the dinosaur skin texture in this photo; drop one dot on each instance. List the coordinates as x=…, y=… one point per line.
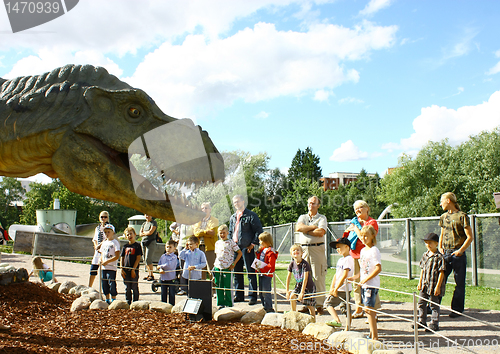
x=76, y=123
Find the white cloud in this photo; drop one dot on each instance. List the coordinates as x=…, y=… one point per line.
x=460, y=47
x=374, y=6
x=322, y=95
x=494, y=70
x=255, y=64
x=348, y=152
x=347, y=100
x=437, y=123
x=262, y=115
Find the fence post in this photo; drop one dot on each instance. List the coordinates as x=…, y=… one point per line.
x=292, y=233
x=473, y=250
x=53, y=268
x=100, y=281
x=415, y=322
x=275, y=295
x=348, y=305
x=408, y=249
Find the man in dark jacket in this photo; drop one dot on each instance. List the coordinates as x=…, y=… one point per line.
x=244, y=229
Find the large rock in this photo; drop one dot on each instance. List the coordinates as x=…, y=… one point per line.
x=78, y=289
x=98, y=305
x=82, y=303
x=160, y=306
x=296, y=320
x=91, y=294
x=273, y=319
x=21, y=275
x=119, y=305
x=140, y=305
x=338, y=339
x=54, y=286
x=178, y=307
x=362, y=345
x=66, y=286
x=319, y=331
x=254, y=316
x=228, y=314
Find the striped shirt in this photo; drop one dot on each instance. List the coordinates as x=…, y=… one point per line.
x=432, y=264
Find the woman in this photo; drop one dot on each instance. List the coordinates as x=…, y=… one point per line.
x=206, y=231
x=353, y=233
x=148, y=234
x=97, y=240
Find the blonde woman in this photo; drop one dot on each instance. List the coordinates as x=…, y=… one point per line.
x=99, y=237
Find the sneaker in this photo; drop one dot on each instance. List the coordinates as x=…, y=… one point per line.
x=238, y=299
x=252, y=302
x=108, y=301
x=334, y=324
x=420, y=324
x=455, y=315
x=433, y=326
x=181, y=292
x=269, y=310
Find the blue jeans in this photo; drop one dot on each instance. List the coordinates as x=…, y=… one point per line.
x=266, y=298
x=246, y=260
x=109, y=282
x=131, y=286
x=459, y=267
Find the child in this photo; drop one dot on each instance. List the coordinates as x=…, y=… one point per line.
x=167, y=266
x=301, y=271
x=431, y=283
x=268, y=255
x=42, y=270
x=369, y=266
x=110, y=253
x=345, y=269
x=130, y=258
x=194, y=259
x=456, y=237
x=223, y=265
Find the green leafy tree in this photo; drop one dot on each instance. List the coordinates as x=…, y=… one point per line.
x=73, y=201
x=39, y=197
x=305, y=164
x=10, y=190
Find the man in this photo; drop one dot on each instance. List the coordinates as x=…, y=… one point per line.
x=244, y=229
x=206, y=231
x=311, y=228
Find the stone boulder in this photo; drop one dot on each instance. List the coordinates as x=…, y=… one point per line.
x=54, y=286
x=66, y=286
x=254, y=316
x=78, y=289
x=338, y=339
x=159, y=306
x=82, y=303
x=139, y=305
x=228, y=314
x=178, y=307
x=98, y=305
x=91, y=294
x=296, y=320
x=118, y=305
x=273, y=319
x=319, y=331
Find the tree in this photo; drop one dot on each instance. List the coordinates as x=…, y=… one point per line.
x=305, y=165
x=39, y=197
x=73, y=201
x=10, y=190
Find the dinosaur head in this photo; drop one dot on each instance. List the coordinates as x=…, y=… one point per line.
x=129, y=152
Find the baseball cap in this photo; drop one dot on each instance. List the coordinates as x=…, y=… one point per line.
x=109, y=226
x=431, y=236
x=341, y=241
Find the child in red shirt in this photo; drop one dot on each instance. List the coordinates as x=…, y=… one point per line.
x=267, y=255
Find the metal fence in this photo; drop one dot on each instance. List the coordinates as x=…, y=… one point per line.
x=401, y=245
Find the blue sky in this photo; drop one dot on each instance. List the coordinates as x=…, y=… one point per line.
x=360, y=82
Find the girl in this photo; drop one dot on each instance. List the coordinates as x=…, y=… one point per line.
x=42, y=270
x=456, y=237
x=370, y=267
x=268, y=255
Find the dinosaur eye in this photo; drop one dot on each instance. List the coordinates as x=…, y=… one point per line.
x=134, y=112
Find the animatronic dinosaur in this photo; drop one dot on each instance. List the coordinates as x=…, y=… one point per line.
x=76, y=123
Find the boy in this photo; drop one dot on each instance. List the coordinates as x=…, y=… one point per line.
x=167, y=266
x=345, y=269
x=431, y=283
x=304, y=285
x=110, y=253
x=223, y=265
x=194, y=259
x=130, y=258
x=268, y=255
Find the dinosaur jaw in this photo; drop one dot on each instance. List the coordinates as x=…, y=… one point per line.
x=89, y=167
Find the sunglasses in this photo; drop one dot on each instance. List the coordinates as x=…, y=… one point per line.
x=104, y=217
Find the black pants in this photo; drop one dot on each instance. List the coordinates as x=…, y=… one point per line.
x=168, y=288
x=131, y=286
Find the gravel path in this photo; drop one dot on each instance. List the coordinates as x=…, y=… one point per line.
x=470, y=335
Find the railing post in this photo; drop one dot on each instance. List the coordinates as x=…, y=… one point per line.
x=292, y=232
x=473, y=249
x=348, y=306
x=275, y=295
x=415, y=322
x=408, y=249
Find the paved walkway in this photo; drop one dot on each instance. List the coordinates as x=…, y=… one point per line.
x=474, y=336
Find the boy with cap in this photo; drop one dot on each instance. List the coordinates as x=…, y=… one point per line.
x=345, y=269
x=431, y=283
x=110, y=253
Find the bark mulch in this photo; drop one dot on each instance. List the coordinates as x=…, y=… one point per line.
x=41, y=322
